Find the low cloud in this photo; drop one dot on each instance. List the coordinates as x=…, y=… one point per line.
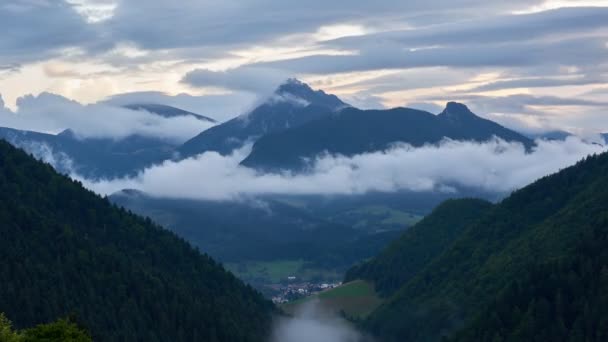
x=257, y=80
x=220, y=107
x=312, y=323
x=53, y=113
x=495, y=166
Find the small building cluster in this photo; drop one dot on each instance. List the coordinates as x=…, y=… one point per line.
x=295, y=290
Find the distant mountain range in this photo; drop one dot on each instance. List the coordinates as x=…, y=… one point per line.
x=353, y=131
x=288, y=130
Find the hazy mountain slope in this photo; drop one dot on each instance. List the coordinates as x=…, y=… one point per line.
x=91, y=157
x=353, y=131
x=260, y=230
x=65, y=250
x=100, y=157
x=544, y=223
x=292, y=104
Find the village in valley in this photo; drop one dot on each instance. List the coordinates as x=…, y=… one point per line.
x=294, y=289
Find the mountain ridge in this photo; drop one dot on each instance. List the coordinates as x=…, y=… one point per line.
x=354, y=131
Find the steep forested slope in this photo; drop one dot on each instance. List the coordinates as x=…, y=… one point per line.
x=539, y=245
x=65, y=250
x=419, y=245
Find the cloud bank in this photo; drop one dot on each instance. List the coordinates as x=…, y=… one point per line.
x=495, y=166
x=53, y=113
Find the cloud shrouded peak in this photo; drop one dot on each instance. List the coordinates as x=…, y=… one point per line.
x=296, y=88
x=292, y=104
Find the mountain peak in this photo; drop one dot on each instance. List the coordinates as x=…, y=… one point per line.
x=455, y=110
x=294, y=88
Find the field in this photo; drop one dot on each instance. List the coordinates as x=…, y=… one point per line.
x=355, y=299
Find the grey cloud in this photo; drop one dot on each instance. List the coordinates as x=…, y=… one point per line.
x=364, y=101
x=505, y=28
x=220, y=107
x=597, y=91
x=415, y=79
x=257, y=80
x=36, y=30
x=519, y=102
x=194, y=23
x=195, y=29
x=389, y=55
x=541, y=82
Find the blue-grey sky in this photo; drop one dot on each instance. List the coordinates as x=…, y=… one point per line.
x=529, y=64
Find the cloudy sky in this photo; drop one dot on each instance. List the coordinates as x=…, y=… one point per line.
x=529, y=64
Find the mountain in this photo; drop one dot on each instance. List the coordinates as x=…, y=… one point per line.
x=262, y=230
x=292, y=104
x=353, y=131
x=68, y=252
x=420, y=244
x=530, y=268
x=92, y=158
x=605, y=136
x=96, y=158
x=166, y=111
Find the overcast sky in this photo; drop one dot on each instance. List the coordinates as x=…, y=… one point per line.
x=529, y=64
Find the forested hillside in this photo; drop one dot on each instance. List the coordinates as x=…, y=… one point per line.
x=530, y=268
x=419, y=245
x=66, y=251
